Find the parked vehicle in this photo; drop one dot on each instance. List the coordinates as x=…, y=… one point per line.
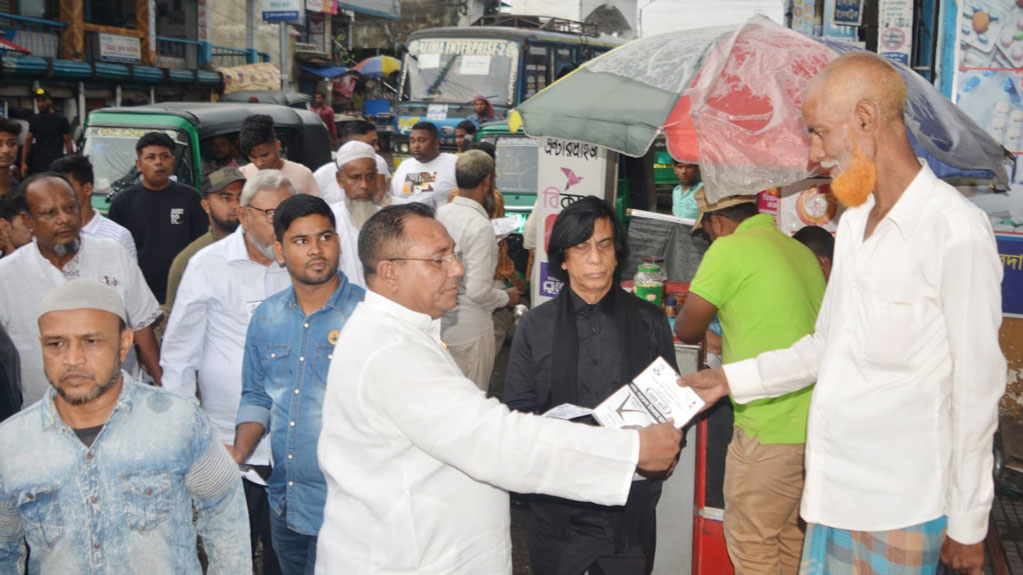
x=110, y=135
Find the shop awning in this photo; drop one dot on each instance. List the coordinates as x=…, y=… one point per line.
x=382, y=8
x=326, y=73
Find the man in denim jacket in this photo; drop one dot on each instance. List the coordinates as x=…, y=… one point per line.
x=101, y=475
x=288, y=349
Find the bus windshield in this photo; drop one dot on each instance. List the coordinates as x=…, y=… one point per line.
x=455, y=70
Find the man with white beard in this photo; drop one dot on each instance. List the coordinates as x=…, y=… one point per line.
x=357, y=176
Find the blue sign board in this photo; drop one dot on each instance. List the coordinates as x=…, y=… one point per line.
x=282, y=10
x=1010, y=250
x=848, y=13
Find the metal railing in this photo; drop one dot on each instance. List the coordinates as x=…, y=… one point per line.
x=177, y=54
x=41, y=37
x=225, y=56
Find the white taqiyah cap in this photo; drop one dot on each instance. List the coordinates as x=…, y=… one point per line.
x=354, y=150
x=83, y=294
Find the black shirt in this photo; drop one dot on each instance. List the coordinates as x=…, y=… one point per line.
x=162, y=222
x=527, y=385
x=48, y=131
x=88, y=434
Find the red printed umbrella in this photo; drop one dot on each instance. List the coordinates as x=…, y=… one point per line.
x=729, y=98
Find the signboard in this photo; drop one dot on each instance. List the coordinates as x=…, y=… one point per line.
x=848, y=13
x=1010, y=251
x=566, y=172
x=282, y=11
x=833, y=30
x=263, y=76
x=895, y=39
x=383, y=8
x=116, y=48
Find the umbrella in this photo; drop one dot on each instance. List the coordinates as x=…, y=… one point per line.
x=729, y=98
x=378, y=66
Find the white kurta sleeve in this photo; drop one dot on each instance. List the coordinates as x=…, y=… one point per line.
x=183, y=341
x=446, y=416
x=139, y=302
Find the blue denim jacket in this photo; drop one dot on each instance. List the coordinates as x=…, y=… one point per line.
x=284, y=375
x=123, y=505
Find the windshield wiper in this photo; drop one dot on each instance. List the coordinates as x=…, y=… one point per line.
x=440, y=78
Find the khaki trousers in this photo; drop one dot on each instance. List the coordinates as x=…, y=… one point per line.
x=762, y=488
x=476, y=359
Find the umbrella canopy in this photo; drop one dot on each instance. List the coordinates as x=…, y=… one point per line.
x=8, y=46
x=378, y=66
x=729, y=98
x=326, y=72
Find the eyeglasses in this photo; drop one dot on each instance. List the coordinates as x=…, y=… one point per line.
x=443, y=262
x=268, y=213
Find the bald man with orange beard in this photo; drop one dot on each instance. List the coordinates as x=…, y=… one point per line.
x=905, y=351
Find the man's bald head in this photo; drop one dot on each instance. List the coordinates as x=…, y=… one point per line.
x=858, y=77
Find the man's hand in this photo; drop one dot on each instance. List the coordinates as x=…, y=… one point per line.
x=713, y=342
x=710, y=384
x=235, y=455
x=658, y=447
x=966, y=559
x=513, y=297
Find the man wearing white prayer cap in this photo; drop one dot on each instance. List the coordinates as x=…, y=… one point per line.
x=357, y=176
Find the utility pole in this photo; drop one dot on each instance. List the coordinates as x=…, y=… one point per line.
x=285, y=80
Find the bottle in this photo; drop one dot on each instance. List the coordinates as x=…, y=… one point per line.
x=648, y=283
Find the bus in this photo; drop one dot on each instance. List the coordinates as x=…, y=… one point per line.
x=505, y=58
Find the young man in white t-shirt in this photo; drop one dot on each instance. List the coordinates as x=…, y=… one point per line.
x=428, y=176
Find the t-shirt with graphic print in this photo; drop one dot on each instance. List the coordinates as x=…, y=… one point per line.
x=429, y=182
x=162, y=222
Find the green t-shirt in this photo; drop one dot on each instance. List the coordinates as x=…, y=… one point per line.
x=767, y=288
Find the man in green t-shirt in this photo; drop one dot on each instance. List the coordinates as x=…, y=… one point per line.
x=765, y=288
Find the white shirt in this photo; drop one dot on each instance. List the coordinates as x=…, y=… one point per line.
x=300, y=176
x=429, y=183
x=326, y=179
x=476, y=246
x=351, y=265
x=205, y=335
x=101, y=226
x=417, y=458
x=908, y=368
x=26, y=279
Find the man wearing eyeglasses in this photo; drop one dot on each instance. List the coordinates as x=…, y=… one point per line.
x=204, y=344
x=417, y=460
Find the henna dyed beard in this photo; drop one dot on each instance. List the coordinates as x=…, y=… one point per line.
x=853, y=186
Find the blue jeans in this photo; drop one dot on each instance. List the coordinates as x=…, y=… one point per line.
x=295, y=552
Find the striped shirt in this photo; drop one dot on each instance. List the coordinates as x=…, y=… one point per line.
x=101, y=226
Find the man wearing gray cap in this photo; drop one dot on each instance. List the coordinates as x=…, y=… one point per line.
x=103, y=475
x=220, y=200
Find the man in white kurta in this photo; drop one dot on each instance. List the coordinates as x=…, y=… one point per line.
x=356, y=177
x=417, y=459
x=905, y=350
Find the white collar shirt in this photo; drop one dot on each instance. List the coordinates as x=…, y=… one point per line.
x=348, y=235
x=417, y=459
x=908, y=367
x=28, y=277
x=476, y=245
x=205, y=337
x=103, y=227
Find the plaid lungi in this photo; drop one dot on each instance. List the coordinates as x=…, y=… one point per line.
x=911, y=551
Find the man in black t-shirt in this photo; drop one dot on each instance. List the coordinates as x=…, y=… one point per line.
x=163, y=216
x=49, y=137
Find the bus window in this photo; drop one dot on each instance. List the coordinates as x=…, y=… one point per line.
x=515, y=161
x=456, y=70
x=564, y=62
x=538, y=72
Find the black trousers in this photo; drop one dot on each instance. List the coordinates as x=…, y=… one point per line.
x=582, y=553
x=259, y=525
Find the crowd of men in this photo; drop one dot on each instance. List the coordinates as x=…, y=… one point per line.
x=299, y=361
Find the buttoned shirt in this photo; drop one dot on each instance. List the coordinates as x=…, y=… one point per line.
x=417, y=458
x=908, y=367
x=103, y=227
x=123, y=504
x=468, y=224
x=287, y=355
x=348, y=235
x=205, y=337
x=28, y=277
